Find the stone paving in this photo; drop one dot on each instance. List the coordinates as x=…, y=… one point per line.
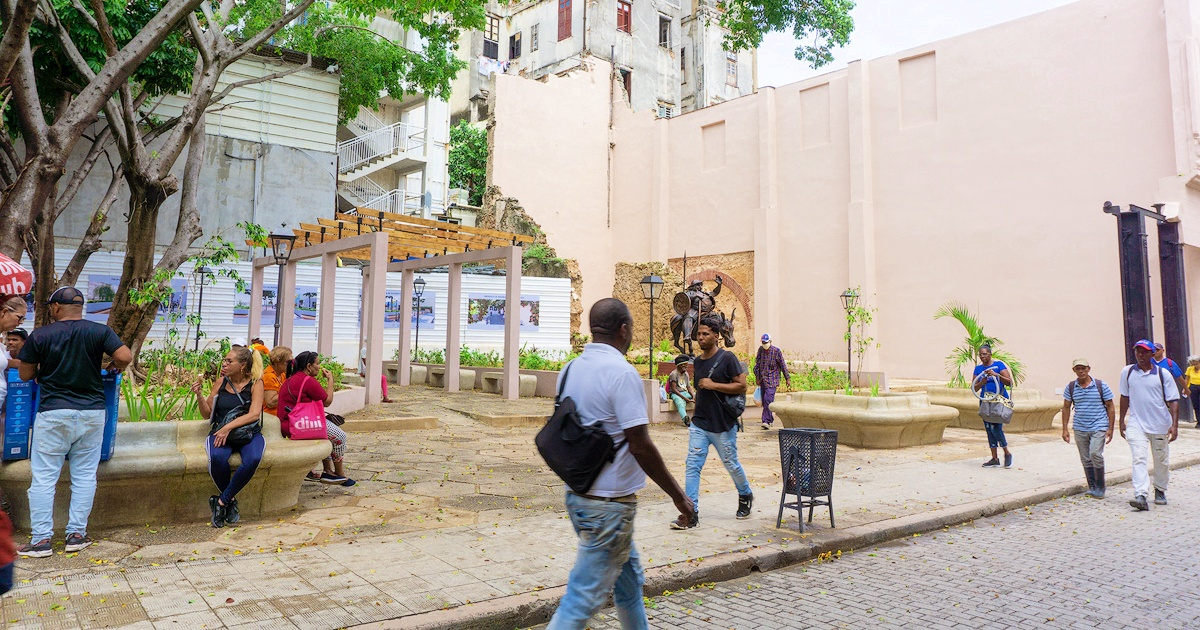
x=465, y=513
x=1071, y=563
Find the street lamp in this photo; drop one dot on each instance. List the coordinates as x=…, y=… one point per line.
x=651, y=289
x=849, y=302
x=281, y=247
x=418, y=291
x=202, y=272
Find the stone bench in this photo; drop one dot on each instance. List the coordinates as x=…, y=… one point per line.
x=527, y=384
x=437, y=378
x=159, y=474
x=418, y=375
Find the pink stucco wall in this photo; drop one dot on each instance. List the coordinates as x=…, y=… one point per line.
x=970, y=169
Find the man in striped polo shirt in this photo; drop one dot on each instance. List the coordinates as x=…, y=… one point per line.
x=1095, y=419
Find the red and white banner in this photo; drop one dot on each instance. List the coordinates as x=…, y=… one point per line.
x=14, y=279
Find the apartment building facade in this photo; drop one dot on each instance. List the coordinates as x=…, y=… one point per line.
x=668, y=55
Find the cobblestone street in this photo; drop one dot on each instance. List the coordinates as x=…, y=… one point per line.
x=1071, y=563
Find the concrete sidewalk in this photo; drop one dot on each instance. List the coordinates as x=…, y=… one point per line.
x=480, y=539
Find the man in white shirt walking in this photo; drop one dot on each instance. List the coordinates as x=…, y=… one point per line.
x=1150, y=397
x=607, y=390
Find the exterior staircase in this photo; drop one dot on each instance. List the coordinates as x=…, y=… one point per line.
x=396, y=144
x=377, y=145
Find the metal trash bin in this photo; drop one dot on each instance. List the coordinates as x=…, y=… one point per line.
x=807, y=456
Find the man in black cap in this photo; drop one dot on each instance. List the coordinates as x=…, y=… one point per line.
x=65, y=358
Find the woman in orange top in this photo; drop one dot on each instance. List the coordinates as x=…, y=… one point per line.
x=274, y=376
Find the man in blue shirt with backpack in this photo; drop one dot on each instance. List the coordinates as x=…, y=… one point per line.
x=1095, y=419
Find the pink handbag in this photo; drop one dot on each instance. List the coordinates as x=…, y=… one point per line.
x=306, y=420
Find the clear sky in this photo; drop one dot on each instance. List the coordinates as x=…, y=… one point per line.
x=882, y=27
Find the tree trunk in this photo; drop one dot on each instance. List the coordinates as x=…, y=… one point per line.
x=34, y=185
x=40, y=247
x=133, y=321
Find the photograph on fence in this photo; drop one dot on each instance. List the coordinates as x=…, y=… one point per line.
x=485, y=311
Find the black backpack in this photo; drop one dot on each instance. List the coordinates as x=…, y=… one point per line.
x=576, y=452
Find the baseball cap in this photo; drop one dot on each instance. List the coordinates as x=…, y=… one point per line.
x=1158, y=346
x=1079, y=362
x=1144, y=344
x=237, y=341
x=683, y=358
x=66, y=295
x=19, y=332
x=766, y=337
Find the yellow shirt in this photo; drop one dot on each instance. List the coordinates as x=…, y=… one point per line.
x=1193, y=375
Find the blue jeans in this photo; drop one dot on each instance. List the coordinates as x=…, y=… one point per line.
x=57, y=434
x=607, y=560
x=6, y=577
x=218, y=465
x=726, y=445
x=680, y=405
x=995, y=433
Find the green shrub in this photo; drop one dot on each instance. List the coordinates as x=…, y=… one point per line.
x=814, y=378
x=336, y=368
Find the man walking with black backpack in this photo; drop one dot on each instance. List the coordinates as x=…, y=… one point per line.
x=718, y=375
x=1095, y=420
x=607, y=391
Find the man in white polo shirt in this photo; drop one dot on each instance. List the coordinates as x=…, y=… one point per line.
x=607, y=390
x=1150, y=397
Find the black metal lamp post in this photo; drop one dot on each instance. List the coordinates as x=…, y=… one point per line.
x=418, y=291
x=849, y=301
x=281, y=247
x=203, y=273
x=652, y=288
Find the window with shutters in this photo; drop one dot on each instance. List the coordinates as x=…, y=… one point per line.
x=533, y=38
x=491, y=38
x=664, y=31
x=731, y=68
x=666, y=110
x=514, y=45
x=683, y=65
x=627, y=81
x=624, y=16
x=564, y=19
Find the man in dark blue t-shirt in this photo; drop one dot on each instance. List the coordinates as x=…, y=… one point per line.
x=1163, y=361
x=65, y=358
x=716, y=372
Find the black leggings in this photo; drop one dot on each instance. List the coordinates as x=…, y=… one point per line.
x=1194, y=394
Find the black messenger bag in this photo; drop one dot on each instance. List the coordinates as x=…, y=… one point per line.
x=576, y=452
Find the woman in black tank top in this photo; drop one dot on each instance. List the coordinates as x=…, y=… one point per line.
x=240, y=386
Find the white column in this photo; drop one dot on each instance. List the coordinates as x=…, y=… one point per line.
x=453, y=314
x=510, y=388
x=365, y=295
x=861, y=210
x=405, y=359
x=767, y=252
x=256, y=295
x=377, y=285
x=328, y=299
x=285, y=304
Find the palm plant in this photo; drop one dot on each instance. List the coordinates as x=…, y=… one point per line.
x=967, y=354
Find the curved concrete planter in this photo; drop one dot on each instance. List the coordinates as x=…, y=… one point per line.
x=1031, y=412
x=159, y=473
x=886, y=421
